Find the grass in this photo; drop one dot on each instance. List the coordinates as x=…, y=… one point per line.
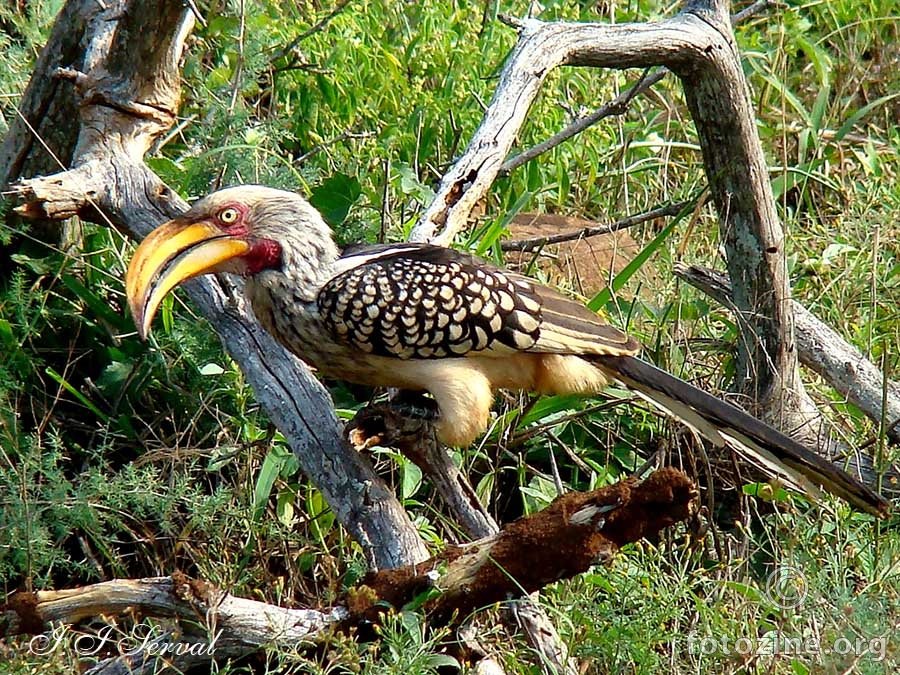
x=124, y=459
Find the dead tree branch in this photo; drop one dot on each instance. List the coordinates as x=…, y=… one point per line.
x=618, y=106
x=127, y=89
x=821, y=350
x=534, y=243
x=575, y=532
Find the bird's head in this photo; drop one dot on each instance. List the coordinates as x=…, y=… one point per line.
x=246, y=230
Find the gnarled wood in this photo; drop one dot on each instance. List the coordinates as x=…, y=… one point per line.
x=576, y=531
x=129, y=93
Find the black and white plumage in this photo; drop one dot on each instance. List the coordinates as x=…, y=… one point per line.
x=415, y=301
x=428, y=318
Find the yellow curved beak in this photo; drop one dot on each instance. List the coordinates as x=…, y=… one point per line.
x=174, y=252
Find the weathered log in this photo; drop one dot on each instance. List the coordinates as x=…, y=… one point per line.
x=577, y=531
x=128, y=94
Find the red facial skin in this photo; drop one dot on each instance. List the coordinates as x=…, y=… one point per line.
x=264, y=254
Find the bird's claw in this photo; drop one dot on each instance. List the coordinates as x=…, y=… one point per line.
x=414, y=405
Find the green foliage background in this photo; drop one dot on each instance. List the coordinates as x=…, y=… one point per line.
x=119, y=458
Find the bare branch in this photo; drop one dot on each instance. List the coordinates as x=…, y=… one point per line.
x=541, y=48
x=821, y=350
x=618, y=106
x=534, y=243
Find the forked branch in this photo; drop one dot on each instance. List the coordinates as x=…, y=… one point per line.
x=699, y=47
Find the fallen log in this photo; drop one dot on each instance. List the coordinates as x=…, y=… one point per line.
x=577, y=530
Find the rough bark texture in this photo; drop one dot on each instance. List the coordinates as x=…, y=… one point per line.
x=128, y=94
x=230, y=626
x=42, y=133
x=575, y=532
x=41, y=137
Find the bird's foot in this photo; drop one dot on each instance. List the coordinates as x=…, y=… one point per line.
x=404, y=421
x=415, y=405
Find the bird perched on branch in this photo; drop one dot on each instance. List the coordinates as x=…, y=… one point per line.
x=428, y=318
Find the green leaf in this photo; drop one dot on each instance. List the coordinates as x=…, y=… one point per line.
x=268, y=472
x=97, y=305
x=485, y=488
x=39, y=266
x=822, y=64
x=113, y=377
x=221, y=457
x=334, y=197
x=284, y=507
x=490, y=235
x=443, y=661
x=746, y=590
x=211, y=369
x=604, y=296
x=319, y=513
x=549, y=406
x=766, y=491
x=6, y=333
x=411, y=479
x=792, y=176
x=834, y=251
x=789, y=96
x=84, y=400
x=411, y=185
x=852, y=121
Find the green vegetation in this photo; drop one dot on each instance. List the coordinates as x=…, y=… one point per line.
x=119, y=458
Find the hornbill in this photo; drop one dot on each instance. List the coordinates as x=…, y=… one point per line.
x=427, y=318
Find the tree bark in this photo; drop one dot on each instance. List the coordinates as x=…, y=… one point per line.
x=128, y=94
x=577, y=531
x=42, y=135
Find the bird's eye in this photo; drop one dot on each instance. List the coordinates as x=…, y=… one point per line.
x=228, y=215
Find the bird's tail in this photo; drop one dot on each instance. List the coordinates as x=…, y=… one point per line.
x=725, y=424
